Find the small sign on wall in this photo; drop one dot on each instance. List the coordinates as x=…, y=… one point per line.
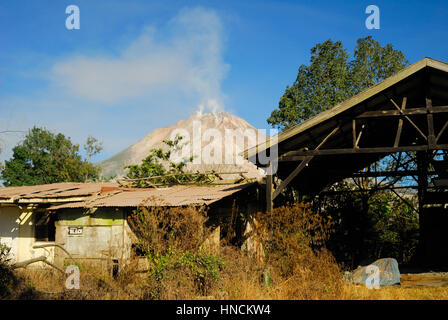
x=75, y=231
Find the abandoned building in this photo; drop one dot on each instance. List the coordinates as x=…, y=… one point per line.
x=405, y=113
x=88, y=221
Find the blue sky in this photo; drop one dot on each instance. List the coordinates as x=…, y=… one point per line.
x=138, y=65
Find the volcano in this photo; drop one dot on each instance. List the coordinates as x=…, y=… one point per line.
x=214, y=140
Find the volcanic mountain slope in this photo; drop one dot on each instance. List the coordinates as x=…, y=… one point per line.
x=215, y=140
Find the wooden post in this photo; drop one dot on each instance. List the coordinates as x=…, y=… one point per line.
x=269, y=189
x=429, y=110
x=400, y=124
x=354, y=132
x=422, y=178
x=430, y=121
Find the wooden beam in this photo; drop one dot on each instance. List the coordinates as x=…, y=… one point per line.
x=359, y=137
x=291, y=158
x=354, y=132
x=392, y=113
x=422, y=167
x=269, y=189
x=400, y=124
x=395, y=113
x=431, y=135
x=395, y=173
x=302, y=165
x=439, y=109
x=347, y=151
x=407, y=118
x=291, y=153
x=429, y=116
x=293, y=174
x=327, y=137
x=348, y=104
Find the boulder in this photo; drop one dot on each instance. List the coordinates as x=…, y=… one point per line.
x=389, y=273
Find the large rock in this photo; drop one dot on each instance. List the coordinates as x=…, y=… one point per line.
x=389, y=272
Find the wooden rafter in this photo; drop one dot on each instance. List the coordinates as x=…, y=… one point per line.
x=293, y=174
x=367, y=96
x=400, y=123
x=326, y=152
x=414, y=111
x=359, y=137
x=409, y=119
x=286, y=158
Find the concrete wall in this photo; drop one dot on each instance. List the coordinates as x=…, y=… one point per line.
x=105, y=236
x=9, y=229
x=17, y=231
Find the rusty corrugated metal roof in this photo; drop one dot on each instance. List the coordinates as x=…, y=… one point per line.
x=171, y=196
x=112, y=195
x=54, y=190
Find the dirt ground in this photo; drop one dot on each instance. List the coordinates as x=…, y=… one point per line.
x=424, y=280
x=416, y=284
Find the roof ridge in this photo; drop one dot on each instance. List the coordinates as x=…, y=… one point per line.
x=349, y=103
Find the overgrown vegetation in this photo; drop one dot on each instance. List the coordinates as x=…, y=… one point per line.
x=158, y=168
x=296, y=264
x=296, y=260
x=12, y=285
x=370, y=225
x=158, y=163
x=180, y=265
x=171, y=240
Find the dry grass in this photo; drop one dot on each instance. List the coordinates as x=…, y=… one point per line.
x=295, y=266
x=242, y=285
x=352, y=292
x=94, y=282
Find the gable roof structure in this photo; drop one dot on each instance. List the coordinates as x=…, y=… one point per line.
x=405, y=112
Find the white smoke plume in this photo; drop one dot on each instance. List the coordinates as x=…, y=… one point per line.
x=184, y=57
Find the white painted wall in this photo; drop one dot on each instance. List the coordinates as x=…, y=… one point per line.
x=17, y=232
x=9, y=229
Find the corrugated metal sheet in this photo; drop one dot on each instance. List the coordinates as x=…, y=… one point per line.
x=172, y=196
x=54, y=190
x=115, y=196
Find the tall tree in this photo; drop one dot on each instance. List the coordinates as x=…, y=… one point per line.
x=333, y=77
x=45, y=157
x=92, y=147
x=363, y=212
